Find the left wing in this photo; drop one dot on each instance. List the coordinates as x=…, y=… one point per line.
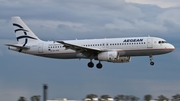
x=87, y=51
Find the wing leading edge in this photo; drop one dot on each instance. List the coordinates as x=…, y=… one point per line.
x=87, y=51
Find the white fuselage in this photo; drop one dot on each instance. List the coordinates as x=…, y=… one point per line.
x=132, y=46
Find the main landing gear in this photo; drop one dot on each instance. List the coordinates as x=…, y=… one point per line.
x=91, y=65
x=99, y=65
x=151, y=62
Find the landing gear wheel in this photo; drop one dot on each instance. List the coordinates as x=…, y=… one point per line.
x=90, y=64
x=151, y=60
x=99, y=65
x=151, y=63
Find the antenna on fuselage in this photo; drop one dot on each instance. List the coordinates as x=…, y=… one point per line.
x=53, y=41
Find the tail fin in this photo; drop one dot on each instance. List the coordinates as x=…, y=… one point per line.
x=22, y=31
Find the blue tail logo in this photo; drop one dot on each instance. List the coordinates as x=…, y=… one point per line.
x=25, y=32
x=23, y=36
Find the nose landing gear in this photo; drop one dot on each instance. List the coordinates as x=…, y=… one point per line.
x=151, y=62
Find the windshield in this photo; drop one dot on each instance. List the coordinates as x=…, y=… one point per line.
x=160, y=42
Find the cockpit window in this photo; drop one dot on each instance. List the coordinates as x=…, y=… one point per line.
x=161, y=42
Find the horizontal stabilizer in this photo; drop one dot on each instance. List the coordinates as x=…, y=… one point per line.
x=17, y=46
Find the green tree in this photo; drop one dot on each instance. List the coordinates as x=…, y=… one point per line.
x=22, y=98
x=162, y=98
x=91, y=96
x=105, y=97
x=35, y=98
x=176, y=97
x=127, y=98
x=147, y=97
x=134, y=98
x=119, y=97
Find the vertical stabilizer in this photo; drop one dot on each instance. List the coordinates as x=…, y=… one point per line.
x=22, y=31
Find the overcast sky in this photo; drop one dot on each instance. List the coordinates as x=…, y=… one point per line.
x=24, y=75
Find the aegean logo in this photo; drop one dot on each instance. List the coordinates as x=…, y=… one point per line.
x=25, y=32
x=133, y=40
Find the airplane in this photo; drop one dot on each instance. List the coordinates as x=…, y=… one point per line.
x=115, y=50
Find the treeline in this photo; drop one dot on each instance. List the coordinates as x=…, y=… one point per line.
x=33, y=98
x=121, y=97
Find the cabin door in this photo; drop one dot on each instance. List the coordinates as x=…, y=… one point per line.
x=149, y=43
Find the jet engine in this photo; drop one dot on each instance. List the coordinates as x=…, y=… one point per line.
x=112, y=56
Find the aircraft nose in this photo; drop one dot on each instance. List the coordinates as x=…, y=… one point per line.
x=172, y=47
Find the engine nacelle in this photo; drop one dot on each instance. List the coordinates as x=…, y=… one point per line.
x=112, y=56
x=107, y=56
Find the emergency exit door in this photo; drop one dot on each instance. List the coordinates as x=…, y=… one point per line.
x=40, y=48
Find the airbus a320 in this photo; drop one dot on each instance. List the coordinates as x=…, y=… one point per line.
x=115, y=50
